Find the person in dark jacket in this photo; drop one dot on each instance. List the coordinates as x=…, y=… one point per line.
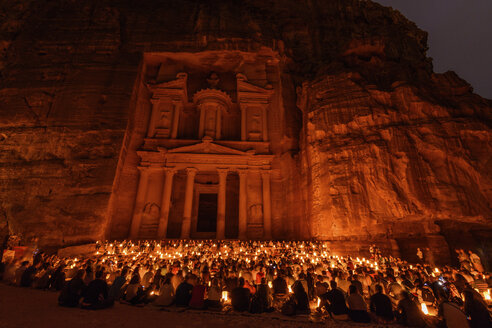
x=28, y=276
x=96, y=294
x=240, y=297
x=381, y=307
x=183, y=292
x=476, y=310
x=262, y=300
x=73, y=291
x=334, y=301
x=279, y=285
x=115, y=292
x=302, y=301
x=57, y=280
x=408, y=312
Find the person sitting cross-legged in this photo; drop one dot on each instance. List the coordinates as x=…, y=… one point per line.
x=334, y=302
x=73, y=290
x=357, y=306
x=240, y=297
x=96, y=294
x=381, y=307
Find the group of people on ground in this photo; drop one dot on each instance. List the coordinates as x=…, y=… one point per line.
x=293, y=278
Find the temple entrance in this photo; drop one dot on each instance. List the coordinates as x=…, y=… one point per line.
x=207, y=213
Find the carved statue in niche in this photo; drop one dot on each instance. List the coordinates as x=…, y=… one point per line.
x=213, y=80
x=165, y=119
x=256, y=213
x=150, y=213
x=210, y=122
x=255, y=124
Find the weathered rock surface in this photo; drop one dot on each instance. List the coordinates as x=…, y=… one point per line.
x=379, y=147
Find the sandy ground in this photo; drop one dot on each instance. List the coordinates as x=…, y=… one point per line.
x=24, y=308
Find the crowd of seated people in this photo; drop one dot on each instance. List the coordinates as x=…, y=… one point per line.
x=292, y=278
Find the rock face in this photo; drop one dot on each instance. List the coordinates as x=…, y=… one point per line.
x=372, y=145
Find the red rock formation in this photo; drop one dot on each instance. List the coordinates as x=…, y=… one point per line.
x=377, y=148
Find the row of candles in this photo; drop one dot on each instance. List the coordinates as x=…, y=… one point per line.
x=312, y=254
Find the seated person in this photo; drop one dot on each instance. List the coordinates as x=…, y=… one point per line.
x=214, y=295
x=73, y=290
x=262, y=300
x=135, y=294
x=357, y=306
x=96, y=294
x=381, y=306
x=197, y=300
x=183, y=292
x=408, y=312
x=334, y=301
x=166, y=293
x=301, y=297
x=280, y=286
x=116, y=289
x=240, y=297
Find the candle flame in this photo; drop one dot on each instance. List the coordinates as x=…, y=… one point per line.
x=424, y=309
x=486, y=295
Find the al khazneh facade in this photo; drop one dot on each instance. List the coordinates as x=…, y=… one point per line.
x=205, y=163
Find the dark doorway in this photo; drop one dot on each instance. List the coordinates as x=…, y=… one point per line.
x=207, y=213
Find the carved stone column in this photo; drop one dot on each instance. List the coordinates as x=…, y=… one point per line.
x=177, y=110
x=165, y=203
x=267, y=205
x=139, y=201
x=190, y=181
x=265, y=124
x=201, y=127
x=243, y=124
x=243, y=201
x=218, y=124
x=221, y=203
x=153, y=117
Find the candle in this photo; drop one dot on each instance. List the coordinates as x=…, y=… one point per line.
x=424, y=309
x=486, y=295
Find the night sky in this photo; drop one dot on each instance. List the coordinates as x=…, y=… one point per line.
x=460, y=36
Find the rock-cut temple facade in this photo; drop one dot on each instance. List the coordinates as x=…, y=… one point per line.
x=205, y=164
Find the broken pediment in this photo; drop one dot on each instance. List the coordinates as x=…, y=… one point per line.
x=175, y=87
x=248, y=92
x=208, y=147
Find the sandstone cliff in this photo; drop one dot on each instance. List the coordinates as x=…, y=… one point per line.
x=383, y=147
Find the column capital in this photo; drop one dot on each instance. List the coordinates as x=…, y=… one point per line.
x=155, y=168
x=222, y=172
x=191, y=171
x=242, y=172
x=265, y=174
x=154, y=101
x=170, y=170
x=143, y=168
